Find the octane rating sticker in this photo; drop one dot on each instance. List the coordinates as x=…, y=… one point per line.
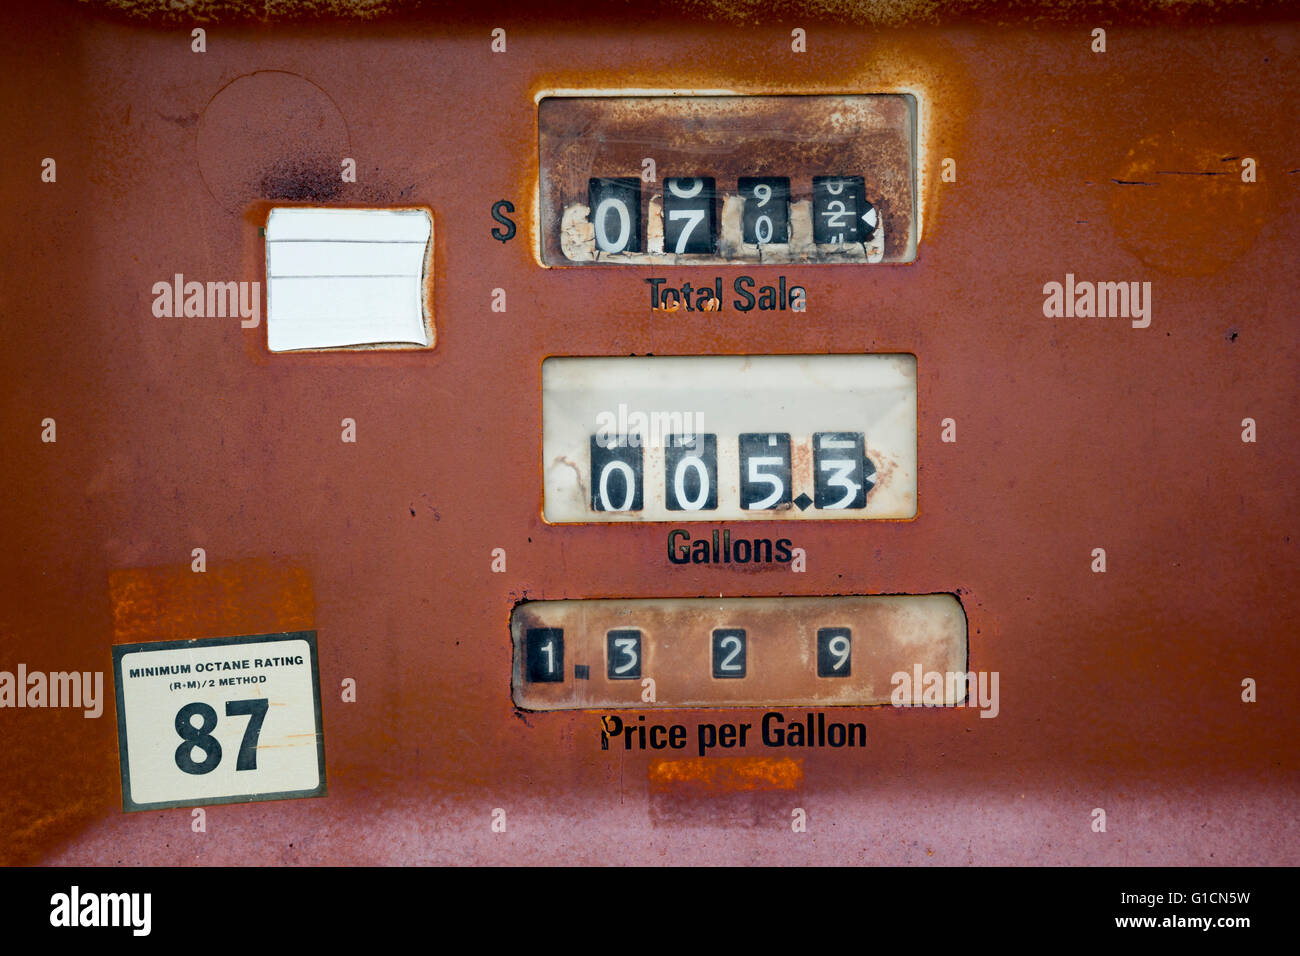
x=219, y=720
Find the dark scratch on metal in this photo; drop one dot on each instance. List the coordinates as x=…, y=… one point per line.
x=186, y=120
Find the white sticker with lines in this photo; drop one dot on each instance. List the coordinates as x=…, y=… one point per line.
x=342, y=277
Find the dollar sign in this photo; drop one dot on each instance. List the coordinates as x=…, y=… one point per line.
x=499, y=210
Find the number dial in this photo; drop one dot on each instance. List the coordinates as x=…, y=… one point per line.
x=729, y=651
x=765, y=471
x=767, y=209
x=615, y=205
x=834, y=652
x=741, y=142
x=691, y=473
x=719, y=398
x=842, y=475
x=690, y=215
x=616, y=475
x=839, y=205
x=544, y=655
x=623, y=654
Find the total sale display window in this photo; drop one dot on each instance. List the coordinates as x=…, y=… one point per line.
x=697, y=180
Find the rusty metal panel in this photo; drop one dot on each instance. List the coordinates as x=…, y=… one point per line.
x=1107, y=483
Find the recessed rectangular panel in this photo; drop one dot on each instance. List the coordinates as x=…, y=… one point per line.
x=729, y=437
x=691, y=180
x=743, y=652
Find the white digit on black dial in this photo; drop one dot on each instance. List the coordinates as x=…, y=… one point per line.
x=623, y=654
x=616, y=213
x=838, y=208
x=690, y=220
x=729, y=652
x=615, y=475
x=834, y=652
x=691, y=473
x=842, y=475
x=764, y=471
x=544, y=655
x=767, y=209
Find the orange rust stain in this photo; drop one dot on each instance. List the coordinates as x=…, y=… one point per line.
x=724, y=774
x=1178, y=201
x=250, y=596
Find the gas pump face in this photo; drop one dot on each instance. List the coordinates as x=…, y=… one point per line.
x=702, y=434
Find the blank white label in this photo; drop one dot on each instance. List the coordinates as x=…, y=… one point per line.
x=340, y=277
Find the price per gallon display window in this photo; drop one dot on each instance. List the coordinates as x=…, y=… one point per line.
x=685, y=180
x=734, y=437
x=734, y=652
